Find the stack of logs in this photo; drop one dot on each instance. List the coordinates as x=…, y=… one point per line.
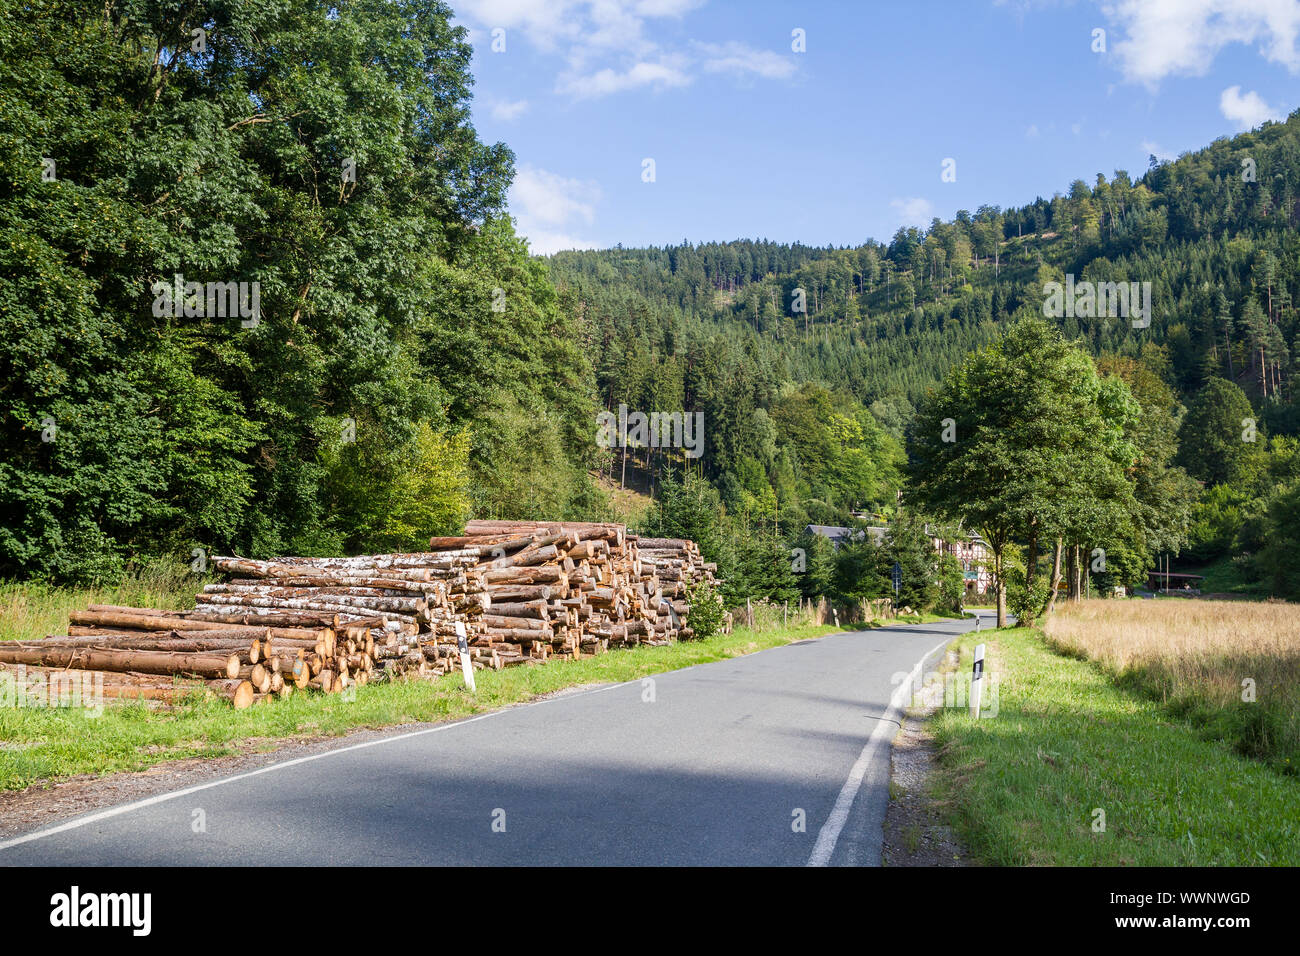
x=154, y=654
x=523, y=592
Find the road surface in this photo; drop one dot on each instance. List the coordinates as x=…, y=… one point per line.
x=712, y=765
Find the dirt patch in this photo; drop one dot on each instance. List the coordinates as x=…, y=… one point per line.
x=914, y=831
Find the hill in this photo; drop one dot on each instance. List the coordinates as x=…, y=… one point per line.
x=784, y=345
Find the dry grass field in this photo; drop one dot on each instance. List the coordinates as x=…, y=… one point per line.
x=1202, y=659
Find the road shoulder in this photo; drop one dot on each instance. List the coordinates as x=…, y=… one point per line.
x=915, y=833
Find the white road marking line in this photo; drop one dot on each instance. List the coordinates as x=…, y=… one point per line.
x=79, y=822
x=839, y=815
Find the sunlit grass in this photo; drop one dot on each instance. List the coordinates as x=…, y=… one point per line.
x=1200, y=658
x=30, y=611
x=1024, y=787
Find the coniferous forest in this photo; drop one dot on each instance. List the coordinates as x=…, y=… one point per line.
x=410, y=365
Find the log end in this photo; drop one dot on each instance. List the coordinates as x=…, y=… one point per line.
x=244, y=694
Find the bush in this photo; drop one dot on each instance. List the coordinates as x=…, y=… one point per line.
x=951, y=590
x=706, y=614
x=1026, y=603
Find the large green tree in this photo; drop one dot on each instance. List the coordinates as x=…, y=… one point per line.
x=323, y=152
x=1019, y=442
x=1220, y=437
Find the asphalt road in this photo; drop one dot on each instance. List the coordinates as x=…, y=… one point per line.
x=718, y=768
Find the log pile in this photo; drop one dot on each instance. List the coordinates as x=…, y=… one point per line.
x=524, y=592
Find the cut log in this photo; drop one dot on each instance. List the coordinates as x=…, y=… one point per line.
x=149, y=662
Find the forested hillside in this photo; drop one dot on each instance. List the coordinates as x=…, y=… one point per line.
x=718, y=326
x=409, y=364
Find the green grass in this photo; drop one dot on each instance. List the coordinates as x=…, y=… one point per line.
x=30, y=611
x=1226, y=576
x=919, y=618
x=1022, y=787
x=40, y=744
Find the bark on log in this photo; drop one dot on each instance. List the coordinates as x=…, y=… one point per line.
x=139, y=622
x=147, y=662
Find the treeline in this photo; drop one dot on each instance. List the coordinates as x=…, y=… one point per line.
x=410, y=363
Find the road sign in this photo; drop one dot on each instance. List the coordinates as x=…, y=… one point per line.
x=897, y=574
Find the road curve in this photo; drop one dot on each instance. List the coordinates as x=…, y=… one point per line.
x=712, y=765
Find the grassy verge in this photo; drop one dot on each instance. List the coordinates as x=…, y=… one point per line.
x=921, y=618
x=1230, y=668
x=30, y=611
x=38, y=744
x=1023, y=787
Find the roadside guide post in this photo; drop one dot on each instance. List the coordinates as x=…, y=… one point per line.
x=976, y=681
x=466, y=665
x=897, y=575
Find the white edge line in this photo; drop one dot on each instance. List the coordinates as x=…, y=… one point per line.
x=79, y=822
x=829, y=834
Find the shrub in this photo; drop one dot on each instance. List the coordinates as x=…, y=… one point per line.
x=951, y=589
x=1026, y=603
x=706, y=613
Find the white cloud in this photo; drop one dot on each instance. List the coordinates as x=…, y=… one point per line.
x=542, y=242
x=1150, y=148
x=605, y=46
x=1182, y=37
x=581, y=30
x=740, y=59
x=1032, y=131
x=1247, y=111
x=913, y=211
x=547, y=207
x=667, y=73
x=507, y=110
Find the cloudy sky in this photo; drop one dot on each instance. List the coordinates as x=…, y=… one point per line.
x=831, y=122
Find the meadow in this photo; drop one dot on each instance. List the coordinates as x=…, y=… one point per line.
x=1231, y=668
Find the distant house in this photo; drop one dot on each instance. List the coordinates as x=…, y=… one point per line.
x=973, y=555
x=838, y=535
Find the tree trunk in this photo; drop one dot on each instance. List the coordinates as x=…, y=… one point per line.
x=139, y=622
x=1031, y=557
x=1056, y=576
x=144, y=643
x=1000, y=587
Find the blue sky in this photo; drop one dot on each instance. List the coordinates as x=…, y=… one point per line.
x=847, y=140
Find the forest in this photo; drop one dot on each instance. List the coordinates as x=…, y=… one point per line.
x=1213, y=468
x=411, y=365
